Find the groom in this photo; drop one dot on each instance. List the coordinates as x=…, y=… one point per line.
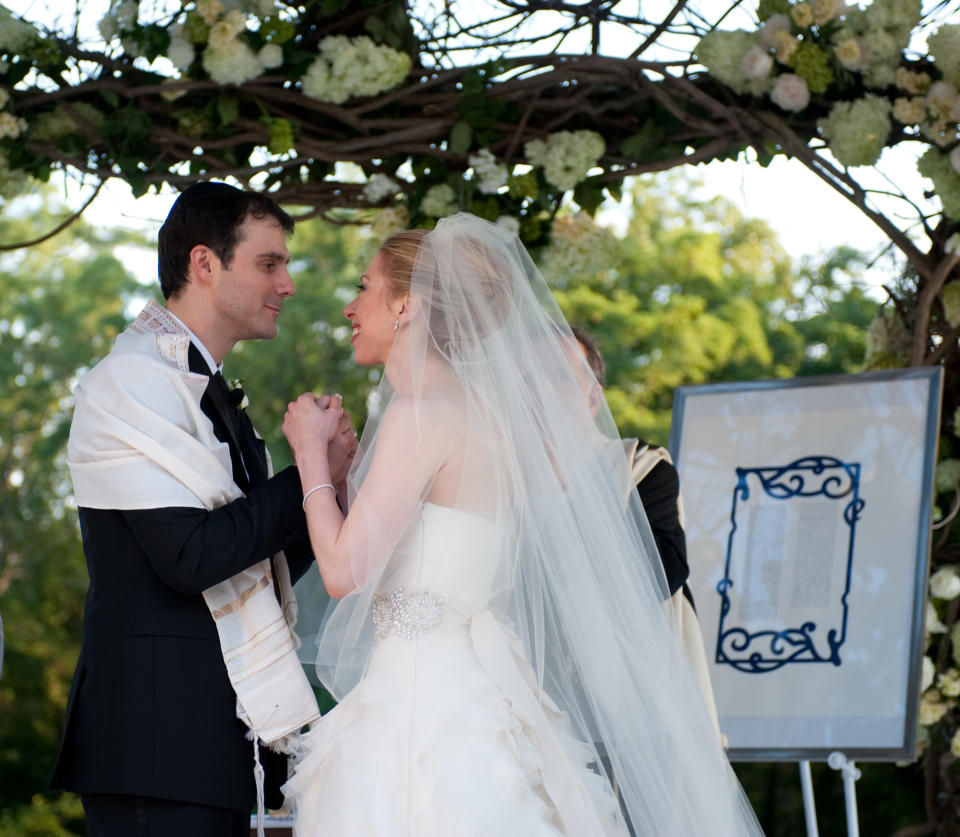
x=191, y=546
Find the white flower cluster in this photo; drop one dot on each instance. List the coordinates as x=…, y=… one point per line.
x=491, y=176
x=11, y=126
x=947, y=475
x=945, y=584
x=888, y=341
x=439, y=201
x=566, y=156
x=121, y=18
x=933, y=707
x=578, y=248
x=15, y=34
x=857, y=131
x=391, y=220
x=944, y=48
x=932, y=623
x=380, y=186
x=12, y=181
x=350, y=67
x=738, y=58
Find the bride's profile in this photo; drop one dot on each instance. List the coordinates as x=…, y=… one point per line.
x=499, y=611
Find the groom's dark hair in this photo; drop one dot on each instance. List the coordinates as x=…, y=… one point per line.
x=209, y=213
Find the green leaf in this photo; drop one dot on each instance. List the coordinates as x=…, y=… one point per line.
x=228, y=108
x=637, y=146
x=461, y=136
x=589, y=194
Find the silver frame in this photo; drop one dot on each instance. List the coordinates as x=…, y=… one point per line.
x=934, y=375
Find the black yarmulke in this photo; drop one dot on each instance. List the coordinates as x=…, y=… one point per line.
x=199, y=191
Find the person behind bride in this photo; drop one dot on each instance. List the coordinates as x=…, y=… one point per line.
x=499, y=605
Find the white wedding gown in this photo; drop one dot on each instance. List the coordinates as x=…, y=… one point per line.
x=447, y=734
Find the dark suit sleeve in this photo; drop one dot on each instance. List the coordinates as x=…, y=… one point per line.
x=192, y=549
x=659, y=491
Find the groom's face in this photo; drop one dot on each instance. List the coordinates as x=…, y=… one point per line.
x=249, y=293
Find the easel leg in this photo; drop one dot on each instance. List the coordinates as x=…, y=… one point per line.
x=838, y=761
x=809, y=808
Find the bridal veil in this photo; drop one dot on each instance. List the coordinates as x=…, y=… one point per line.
x=575, y=578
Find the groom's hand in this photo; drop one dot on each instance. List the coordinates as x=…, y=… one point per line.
x=341, y=448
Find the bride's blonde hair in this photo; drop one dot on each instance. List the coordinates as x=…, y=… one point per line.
x=489, y=285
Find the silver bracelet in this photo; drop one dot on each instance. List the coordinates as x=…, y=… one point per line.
x=329, y=485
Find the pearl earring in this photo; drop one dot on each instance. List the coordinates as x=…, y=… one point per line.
x=396, y=325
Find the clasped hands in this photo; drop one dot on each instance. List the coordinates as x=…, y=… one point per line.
x=314, y=423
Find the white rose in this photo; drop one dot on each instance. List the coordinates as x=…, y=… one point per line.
x=771, y=26
x=790, y=92
x=757, y=63
x=945, y=584
x=926, y=674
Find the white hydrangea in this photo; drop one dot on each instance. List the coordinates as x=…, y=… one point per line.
x=913, y=83
x=233, y=65
x=579, y=247
x=509, y=223
x=125, y=14
x=926, y=674
x=439, y=201
x=933, y=707
x=222, y=34
x=944, y=47
x=209, y=10
x=857, y=131
x=15, y=34
x=566, y=156
x=949, y=683
x=790, y=92
x=932, y=622
x=380, y=186
x=723, y=52
x=270, y=56
x=388, y=221
x=945, y=584
x=181, y=53
x=491, y=175
x=11, y=126
x=950, y=298
x=12, y=181
x=349, y=67
x=909, y=111
x=947, y=475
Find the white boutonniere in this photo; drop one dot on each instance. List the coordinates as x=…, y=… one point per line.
x=237, y=384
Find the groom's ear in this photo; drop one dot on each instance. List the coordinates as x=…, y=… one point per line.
x=202, y=261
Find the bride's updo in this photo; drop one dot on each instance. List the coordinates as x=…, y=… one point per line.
x=465, y=283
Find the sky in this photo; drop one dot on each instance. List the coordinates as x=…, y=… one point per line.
x=809, y=217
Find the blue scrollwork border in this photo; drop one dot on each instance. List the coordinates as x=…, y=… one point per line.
x=809, y=476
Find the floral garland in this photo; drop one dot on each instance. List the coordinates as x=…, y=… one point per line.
x=853, y=61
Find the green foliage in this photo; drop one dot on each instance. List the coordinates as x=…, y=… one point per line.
x=61, y=304
x=704, y=295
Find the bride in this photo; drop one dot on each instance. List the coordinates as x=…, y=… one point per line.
x=499, y=612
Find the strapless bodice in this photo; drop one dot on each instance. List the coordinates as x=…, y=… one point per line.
x=450, y=554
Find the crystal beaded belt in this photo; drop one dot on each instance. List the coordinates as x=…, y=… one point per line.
x=408, y=615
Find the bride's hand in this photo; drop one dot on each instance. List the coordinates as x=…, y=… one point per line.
x=311, y=422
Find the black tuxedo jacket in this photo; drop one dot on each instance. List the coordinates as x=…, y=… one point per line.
x=151, y=710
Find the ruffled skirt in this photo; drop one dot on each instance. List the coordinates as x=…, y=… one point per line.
x=447, y=736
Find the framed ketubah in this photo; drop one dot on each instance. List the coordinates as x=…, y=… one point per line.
x=808, y=518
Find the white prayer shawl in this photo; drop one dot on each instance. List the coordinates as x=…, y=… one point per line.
x=139, y=440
